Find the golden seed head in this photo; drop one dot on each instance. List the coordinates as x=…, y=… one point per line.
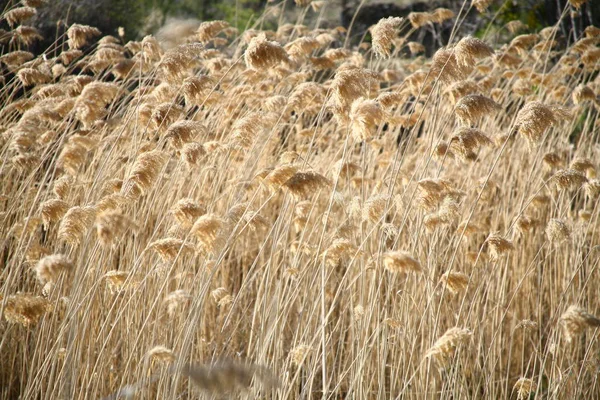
x=445, y=347
x=209, y=29
x=575, y=320
x=524, y=388
x=79, y=35
x=26, y=309
x=176, y=301
x=116, y=280
x=455, y=282
x=383, y=34
x=50, y=267
x=445, y=66
x=299, y=353
x=264, y=54
x=419, y=19
x=557, y=231
x=498, y=245
x=481, y=5
x=209, y=230
x=53, y=210
x=169, y=248
x=365, y=115
x=469, y=49
x=18, y=15
x=570, y=179
x=75, y=223
x=305, y=184
x=111, y=225
x=472, y=107
x=161, y=354
x=401, y=262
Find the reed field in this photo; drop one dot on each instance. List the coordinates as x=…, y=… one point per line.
x=288, y=214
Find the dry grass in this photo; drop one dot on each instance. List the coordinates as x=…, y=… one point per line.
x=271, y=215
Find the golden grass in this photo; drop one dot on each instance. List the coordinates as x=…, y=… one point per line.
x=272, y=215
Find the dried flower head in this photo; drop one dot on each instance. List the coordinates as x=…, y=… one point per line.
x=383, y=34
x=26, y=35
x=498, y=246
x=469, y=49
x=524, y=388
x=52, y=211
x=263, y=54
x=111, y=225
x=209, y=29
x=472, y=107
x=557, y=231
x=17, y=15
x=299, y=353
x=466, y=141
x=351, y=83
x=25, y=309
x=50, y=267
x=75, y=223
x=481, y=5
x=577, y=3
x=401, y=262
x=445, y=347
x=80, y=34
x=583, y=93
x=339, y=250
x=32, y=76
x=534, y=118
x=116, y=280
x=570, y=179
x=144, y=173
x=176, y=301
x=305, y=184
x=209, y=230
x=455, y=282
x=193, y=153
x=445, y=66
x=365, y=115
x=279, y=176
x=187, y=211
x=169, y=248
x=419, y=19
x=440, y=15
x=576, y=320
x=161, y=354
x=182, y=132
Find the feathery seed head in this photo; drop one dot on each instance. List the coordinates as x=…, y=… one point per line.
x=383, y=34
x=576, y=320
x=365, y=115
x=169, y=248
x=401, y=262
x=50, y=267
x=444, y=348
x=455, y=282
x=305, y=184
x=498, y=246
x=264, y=54
x=469, y=49
x=472, y=107
x=75, y=223
x=79, y=35
x=52, y=211
x=557, y=231
x=524, y=388
x=25, y=309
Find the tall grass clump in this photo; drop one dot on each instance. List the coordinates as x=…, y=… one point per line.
x=274, y=214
